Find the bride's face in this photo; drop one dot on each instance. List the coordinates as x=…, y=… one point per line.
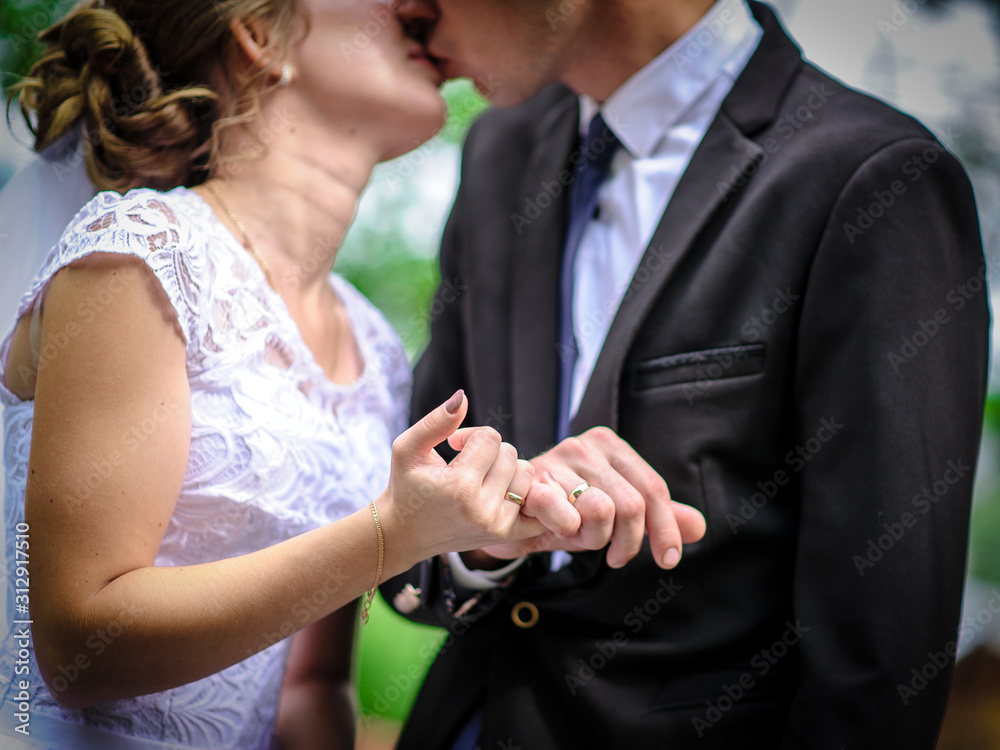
x=356, y=68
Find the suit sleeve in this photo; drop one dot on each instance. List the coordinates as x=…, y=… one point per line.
x=890, y=384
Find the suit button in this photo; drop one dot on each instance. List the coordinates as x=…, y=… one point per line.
x=524, y=615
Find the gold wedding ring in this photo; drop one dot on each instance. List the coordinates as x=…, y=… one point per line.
x=580, y=489
x=515, y=498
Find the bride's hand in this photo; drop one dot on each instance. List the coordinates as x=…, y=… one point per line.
x=432, y=506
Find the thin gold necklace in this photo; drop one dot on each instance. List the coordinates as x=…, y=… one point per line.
x=266, y=268
x=244, y=238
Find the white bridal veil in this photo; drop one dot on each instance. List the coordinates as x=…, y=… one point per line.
x=35, y=207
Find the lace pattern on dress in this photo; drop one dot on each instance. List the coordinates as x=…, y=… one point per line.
x=277, y=449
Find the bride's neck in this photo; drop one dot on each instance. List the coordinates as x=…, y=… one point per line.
x=296, y=202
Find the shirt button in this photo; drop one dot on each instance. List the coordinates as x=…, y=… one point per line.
x=524, y=615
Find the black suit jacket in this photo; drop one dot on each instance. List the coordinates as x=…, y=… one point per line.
x=802, y=355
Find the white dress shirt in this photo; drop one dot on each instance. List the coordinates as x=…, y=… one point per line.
x=661, y=115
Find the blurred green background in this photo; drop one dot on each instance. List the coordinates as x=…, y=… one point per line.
x=942, y=64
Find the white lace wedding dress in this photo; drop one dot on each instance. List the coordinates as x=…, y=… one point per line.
x=276, y=450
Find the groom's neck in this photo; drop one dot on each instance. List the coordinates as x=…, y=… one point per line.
x=623, y=36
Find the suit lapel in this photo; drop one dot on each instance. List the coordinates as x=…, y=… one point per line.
x=534, y=312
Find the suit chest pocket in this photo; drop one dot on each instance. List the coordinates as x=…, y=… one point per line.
x=706, y=366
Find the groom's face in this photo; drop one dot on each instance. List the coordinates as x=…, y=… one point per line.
x=509, y=48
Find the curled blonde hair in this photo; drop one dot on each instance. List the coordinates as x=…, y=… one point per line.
x=151, y=83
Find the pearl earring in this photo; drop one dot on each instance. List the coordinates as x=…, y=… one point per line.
x=286, y=76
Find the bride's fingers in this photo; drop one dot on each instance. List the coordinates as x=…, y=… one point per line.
x=418, y=442
x=479, y=452
x=519, y=486
x=501, y=473
x=500, y=476
x=460, y=437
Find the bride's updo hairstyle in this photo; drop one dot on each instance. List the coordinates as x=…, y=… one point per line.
x=151, y=84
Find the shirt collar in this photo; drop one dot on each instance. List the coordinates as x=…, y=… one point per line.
x=655, y=99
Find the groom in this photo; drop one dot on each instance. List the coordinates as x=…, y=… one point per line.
x=759, y=279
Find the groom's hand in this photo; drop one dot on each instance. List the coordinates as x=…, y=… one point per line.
x=626, y=500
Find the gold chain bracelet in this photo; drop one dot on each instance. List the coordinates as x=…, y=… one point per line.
x=378, y=573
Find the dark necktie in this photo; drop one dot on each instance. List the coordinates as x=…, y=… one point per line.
x=597, y=150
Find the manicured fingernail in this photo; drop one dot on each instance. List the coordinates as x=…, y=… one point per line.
x=672, y=557
x=455, y=402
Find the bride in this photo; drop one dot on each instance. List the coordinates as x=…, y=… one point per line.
x=199, y=418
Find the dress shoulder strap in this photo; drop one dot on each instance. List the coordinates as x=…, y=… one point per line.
x=35, y=330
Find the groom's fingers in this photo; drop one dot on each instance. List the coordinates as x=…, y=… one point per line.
x=629, y=513
x=670, y=525
x=598, y=521
x=690, y=522
x=548, y=502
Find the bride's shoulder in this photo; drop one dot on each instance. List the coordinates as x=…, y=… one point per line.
x=141, y=211
x=164, y=230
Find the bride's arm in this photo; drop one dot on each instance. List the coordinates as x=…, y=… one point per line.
x=93, y=552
